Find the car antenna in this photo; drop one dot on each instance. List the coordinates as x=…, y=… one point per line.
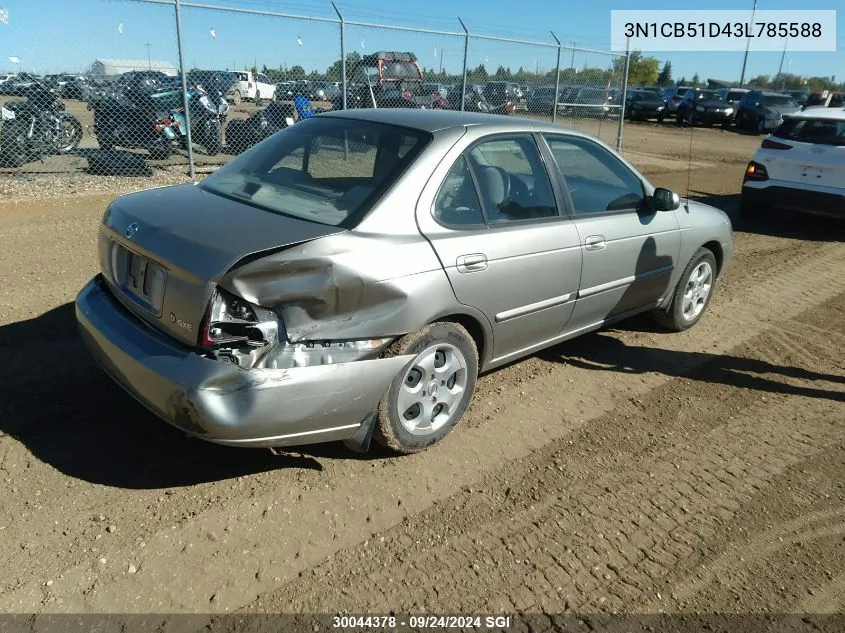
x=689, y=168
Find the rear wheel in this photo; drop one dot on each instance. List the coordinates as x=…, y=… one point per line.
x=236, y=97
x=257, y=97
x=692, y=294
x=432, y=393
x=13, y=144
x=761, y=126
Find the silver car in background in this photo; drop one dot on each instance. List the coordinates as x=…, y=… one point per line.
x=350, y=276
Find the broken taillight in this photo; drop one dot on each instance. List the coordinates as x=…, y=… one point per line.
x=233, y=321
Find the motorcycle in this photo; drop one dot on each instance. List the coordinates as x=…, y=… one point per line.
x=37, y=127
x=209, y=110
x=138, y=116
x=149, y=115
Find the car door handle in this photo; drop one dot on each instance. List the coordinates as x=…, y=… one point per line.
x=595, y=243
x=471, y=263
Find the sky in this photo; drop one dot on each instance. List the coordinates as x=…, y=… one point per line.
x=68, y=35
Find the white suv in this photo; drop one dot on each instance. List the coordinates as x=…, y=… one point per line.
x=255, y=89
x=800, y=166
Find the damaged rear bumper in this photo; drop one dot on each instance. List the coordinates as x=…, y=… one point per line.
x=222, y=402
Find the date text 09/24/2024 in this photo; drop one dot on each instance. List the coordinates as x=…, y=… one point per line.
x=389, y=622
x=742, y=30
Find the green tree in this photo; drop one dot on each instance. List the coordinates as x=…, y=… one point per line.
x=761, y=81
x=696, y=81
x=682, y=82
x=665, y=76
x=502, y=73
x=295, y=73
x=641, y=70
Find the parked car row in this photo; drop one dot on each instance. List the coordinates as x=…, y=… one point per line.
x=750, y=109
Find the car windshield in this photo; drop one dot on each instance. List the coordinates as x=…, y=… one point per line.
x=709, y=95
x=780, y=100
x=819, y=131
x=326, y=170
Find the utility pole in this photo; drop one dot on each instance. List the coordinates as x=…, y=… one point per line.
x=782, y=57
x=149, y=59
x=441, y=61
x=572, y=63
x=747, y=46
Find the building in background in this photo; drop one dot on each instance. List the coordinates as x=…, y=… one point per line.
x=114, y=67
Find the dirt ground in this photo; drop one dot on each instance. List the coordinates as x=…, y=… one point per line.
x=629, y=470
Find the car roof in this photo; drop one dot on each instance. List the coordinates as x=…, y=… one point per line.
x=820, y=112
x=437, y=120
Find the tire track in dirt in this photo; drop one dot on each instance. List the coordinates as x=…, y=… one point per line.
x=589, y=525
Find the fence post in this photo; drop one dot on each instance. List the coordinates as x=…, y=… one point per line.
x=466, y=53
x=557, y=80
x=185, y=102
x=342, y=56
x=624, y=95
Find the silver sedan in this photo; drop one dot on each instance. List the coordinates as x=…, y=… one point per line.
x=350, y=276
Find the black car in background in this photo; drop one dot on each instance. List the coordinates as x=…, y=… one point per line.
x=543, y=100
x=672, y=96
x=641, y=105
x=762, y=111
x=707, y=107
x=733, y=96
x=801, y=96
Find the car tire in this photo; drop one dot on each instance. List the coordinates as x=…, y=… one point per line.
x=692, y=294
x=236, y=97
x=401, y=423
x=257, y=99
x=761, y=126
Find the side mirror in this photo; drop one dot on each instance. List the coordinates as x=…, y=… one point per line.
x=665, y=200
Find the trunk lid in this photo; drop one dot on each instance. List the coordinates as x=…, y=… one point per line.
x=807, y=163
x=163, y=250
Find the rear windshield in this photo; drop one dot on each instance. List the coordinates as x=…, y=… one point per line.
x=779, y=100
x=820, y=131
x=323, y=169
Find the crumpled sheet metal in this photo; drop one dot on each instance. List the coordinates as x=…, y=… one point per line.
x=348, y=286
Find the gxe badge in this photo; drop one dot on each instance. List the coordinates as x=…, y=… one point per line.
x=131, y=230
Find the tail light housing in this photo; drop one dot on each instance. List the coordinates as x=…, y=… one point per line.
x=234, y=322
x=770, y=144
x=755, y=171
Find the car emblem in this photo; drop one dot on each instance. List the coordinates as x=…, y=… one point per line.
x=131, y=230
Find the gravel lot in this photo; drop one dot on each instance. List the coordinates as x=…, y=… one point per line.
x=629, y=470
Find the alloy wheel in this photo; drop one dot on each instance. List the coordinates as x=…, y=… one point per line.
x=697, y=291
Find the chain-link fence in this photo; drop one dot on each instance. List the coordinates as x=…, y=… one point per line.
x=183, y=86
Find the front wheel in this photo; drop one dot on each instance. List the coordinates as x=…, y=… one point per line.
x=692, y=294
x=70, y=133
x=212, y=137
x=257, y=98
x=432, y=393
